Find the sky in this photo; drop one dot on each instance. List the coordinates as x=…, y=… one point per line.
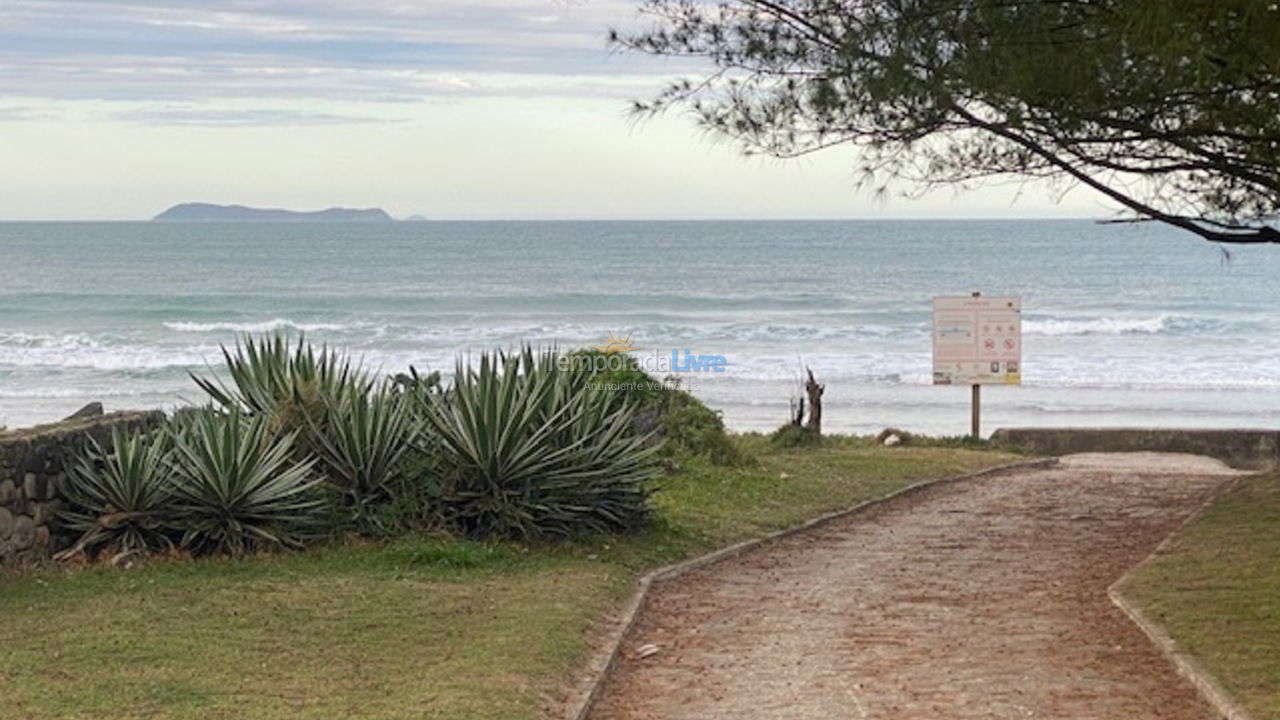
x=451, y=109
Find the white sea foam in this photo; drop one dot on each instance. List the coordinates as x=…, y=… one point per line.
x=121, y=359
x=96, y=352
x=254, y=327
x=1098, y=326
x=118, y=390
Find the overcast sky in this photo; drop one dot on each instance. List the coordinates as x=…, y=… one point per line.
x=449, y=108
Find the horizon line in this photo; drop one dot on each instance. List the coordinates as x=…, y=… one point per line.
x=430, y=220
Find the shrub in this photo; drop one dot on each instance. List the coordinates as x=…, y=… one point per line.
x=120, y=499
x=620, y=374
x=237, y=488
x=529, y=449
x=361, y=447
x=355, y=430
x=794, y=436
x=692, y=427
x=684, y=424
x=293, y=385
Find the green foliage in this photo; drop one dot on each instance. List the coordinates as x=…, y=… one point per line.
x=951, y=441
x=238, y=487
x=357, y=432
x=684, y=424
x=361, y=447
x=794, y=436
x=620, y=375
x=413, y=503
x=291, y=384
x=528, y=448
x=120, y=499
x=523, y=445
x=1170, y=109
x=693, y=428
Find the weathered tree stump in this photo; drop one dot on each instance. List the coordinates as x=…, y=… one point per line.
x=814, y=390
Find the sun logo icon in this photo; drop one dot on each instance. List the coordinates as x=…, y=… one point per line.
x=614, y=344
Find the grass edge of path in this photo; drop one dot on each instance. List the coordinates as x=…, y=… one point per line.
x=1214, y=588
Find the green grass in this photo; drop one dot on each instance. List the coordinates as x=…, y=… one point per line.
x=1217, y=592
x=416, y=628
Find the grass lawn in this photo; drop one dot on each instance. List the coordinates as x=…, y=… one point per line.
x=1217, y=592
x=416, y=628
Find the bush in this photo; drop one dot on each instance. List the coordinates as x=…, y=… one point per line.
x=210, y=482
x=120, y=499
x=529, y=449
x=692, y=427
x=356, y=431
x=237, y=487
x=292, y=385
x=361, y=448
x=522, y=445
x=684, y=424
x=794, y=436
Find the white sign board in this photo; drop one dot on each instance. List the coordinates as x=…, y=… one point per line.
x=977, y=341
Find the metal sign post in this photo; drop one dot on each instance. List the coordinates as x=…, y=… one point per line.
x=977, y=341
x=975, y=422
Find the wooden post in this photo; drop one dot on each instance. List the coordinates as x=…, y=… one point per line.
x=977, y=412
x=976, y=409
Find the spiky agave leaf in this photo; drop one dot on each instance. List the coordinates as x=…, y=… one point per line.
x=607, y=470
x=270, y=375
x=257, y=370
x=528, y=448
x=488, y=448
x=361, y=448
x=122, y=497
x=238, y=487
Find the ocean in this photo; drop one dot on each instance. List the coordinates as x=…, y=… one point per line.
x=1124, y=325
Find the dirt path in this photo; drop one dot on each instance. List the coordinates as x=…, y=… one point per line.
x=977, y=599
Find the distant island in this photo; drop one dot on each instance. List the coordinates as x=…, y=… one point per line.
x=206, y=212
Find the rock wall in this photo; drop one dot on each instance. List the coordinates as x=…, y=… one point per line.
x=1244, y=449
x=32, y=469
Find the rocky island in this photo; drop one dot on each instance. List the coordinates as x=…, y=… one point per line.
x=206, y=212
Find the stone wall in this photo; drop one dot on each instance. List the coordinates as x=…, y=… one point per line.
x=32, y=469
x=1245, y=449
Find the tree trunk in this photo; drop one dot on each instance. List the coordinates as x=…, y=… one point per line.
x=814, y=391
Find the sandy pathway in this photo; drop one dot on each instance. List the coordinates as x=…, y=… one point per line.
x=978, y=599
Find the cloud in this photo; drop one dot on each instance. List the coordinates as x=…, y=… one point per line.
x=363, y=50
x=214, y=117
x=25, y=114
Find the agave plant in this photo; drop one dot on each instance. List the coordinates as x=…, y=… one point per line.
x=121, y=498
x=237, y=486
x=529, y=448
x=361, y=448
x=290, y=384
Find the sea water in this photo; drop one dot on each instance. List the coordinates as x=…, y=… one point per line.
x=1134, y=325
